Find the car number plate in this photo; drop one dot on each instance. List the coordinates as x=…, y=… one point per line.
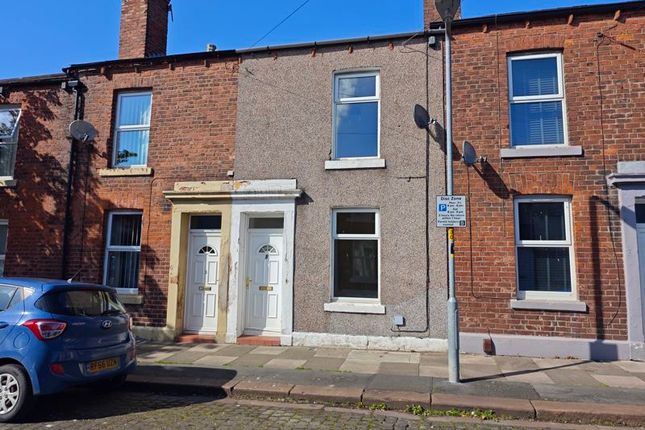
x=103, y=365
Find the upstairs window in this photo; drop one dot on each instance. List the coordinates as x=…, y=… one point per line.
x=122, y=250
x=356, y=115
x=132, y=129
x=4, y=232
x=9, y=120
x=536, y=96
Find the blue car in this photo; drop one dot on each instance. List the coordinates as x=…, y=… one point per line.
x=57, y=334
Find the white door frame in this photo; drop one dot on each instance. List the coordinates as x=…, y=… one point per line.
x=189, y=256
x=242, y=210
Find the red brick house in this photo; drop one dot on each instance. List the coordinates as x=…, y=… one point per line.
x=555, y=102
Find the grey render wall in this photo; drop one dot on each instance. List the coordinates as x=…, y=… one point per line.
x=284, y=131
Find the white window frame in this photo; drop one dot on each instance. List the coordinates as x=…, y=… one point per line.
x=559, y=97
x=356, y=100
x=568, y=243
x=334, y=236
x=13, y=140
x=3, y=255
x=117, y=128
x=109, y=248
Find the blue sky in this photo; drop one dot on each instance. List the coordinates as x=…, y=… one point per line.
x=53, y=34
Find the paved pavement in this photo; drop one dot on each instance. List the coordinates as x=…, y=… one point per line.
x=551, y=390
x=540, y=378
x=132, y=410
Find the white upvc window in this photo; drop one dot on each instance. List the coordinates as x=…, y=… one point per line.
x=537, y=107
x=544, y=248
x=4, y=234
x=357, y=113
x=132, y=129
x=356, y=255
x=122, y=251
x=9, y=124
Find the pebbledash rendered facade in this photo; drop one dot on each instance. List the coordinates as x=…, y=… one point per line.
x=285, y=192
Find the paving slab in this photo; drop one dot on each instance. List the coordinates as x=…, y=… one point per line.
x=631, y=366
x=569, y=377
x=400, y=383
x=332, y=352
x=433, y=359
x=184, y=357
x=235, y=350
x=327, y=394
x=396, y=399
x=514, y=390
x=251, y=360
x=384, y=356
x=633, y=415
x=433, y=371
x=268, y=350
x=621, y=381
x=399, y=369
x=529, y=378
x=516, y=408
x=359, y=366
x=214, y=360
x=324, y=363
x=589, y=394
x=284, y=363
x=298, y=353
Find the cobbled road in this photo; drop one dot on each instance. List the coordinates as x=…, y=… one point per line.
x=135, y=409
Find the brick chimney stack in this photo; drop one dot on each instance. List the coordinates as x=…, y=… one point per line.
x=144, y=28
x=431, y=15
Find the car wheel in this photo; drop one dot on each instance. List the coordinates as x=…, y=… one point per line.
x=16, y=397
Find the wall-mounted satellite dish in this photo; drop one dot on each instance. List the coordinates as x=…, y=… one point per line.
x=469, y=155
x=421, y=117
x=82, y=130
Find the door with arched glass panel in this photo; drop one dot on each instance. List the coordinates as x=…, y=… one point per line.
x=202, y=282
x=264, y=281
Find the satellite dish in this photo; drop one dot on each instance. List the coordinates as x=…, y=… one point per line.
x=82, y=130
x=421, y=117
x=447, y=8
x=469, y=155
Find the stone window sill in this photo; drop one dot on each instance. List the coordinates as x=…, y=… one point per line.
x=358, y=163
x=130, y=299
x=355, y=308
x=549, y=305
x=7, y=183
x=129, y=171
x=537, y=151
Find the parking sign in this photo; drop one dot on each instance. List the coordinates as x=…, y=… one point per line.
x=451, y=211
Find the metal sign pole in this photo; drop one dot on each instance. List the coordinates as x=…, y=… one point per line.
x=453, y=310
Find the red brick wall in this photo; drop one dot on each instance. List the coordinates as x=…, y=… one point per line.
x=144, y=28
x=192, y=137
x=485, y=251
x=431, y=15
x=35, y=207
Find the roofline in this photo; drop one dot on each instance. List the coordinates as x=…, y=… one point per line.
x=545, y=14
x=53, y=79
x=239, y=52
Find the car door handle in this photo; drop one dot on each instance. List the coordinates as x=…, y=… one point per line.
x=4, y=324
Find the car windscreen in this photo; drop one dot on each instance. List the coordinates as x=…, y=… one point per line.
x=7, y=294
x=81, y=302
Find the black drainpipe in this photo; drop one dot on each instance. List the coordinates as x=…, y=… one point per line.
x=77, y=88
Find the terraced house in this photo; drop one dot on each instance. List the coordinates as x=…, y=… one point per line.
x=284, y=195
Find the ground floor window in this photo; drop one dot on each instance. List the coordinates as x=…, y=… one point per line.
x=4, y=233
x=544, y=247
x=122, y=250
x=355, y=261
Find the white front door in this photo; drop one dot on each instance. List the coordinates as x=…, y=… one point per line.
x=202, y=281
x=264, y=281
